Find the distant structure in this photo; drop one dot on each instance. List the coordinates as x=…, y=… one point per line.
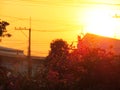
x=4, y=51
x=96, y=41
x=16, y=60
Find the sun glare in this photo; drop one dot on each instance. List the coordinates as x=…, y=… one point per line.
x=99, y=21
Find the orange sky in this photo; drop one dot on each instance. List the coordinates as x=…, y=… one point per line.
x=52, y=19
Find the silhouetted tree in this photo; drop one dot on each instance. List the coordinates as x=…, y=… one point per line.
x=3, y=25
x=57, y=61
x=3, y=70
x=59, y=48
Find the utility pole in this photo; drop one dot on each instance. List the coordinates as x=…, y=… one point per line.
x=29, y=48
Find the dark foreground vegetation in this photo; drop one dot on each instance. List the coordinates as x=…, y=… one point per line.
x=66, y=69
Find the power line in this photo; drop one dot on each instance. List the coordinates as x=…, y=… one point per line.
x=13, y=17
x=59, y=3
x=38, y=20
x=54, y=30
x=29, y=48
x=24, y=34
x=63, y=24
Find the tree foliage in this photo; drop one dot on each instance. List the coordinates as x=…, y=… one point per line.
x=59, y=48
x=95, y=70
x=3, y=25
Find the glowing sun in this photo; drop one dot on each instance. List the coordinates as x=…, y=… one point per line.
x=100, y=21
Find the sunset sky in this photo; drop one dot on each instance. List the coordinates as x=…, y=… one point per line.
x=52, y=19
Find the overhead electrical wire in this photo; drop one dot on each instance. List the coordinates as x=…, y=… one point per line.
x=60, y=30
x=53, y=4
x=60, y=3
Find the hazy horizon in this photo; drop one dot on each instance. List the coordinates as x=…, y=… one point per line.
x=57, y=19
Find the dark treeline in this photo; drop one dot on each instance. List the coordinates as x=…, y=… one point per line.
x=66, y=69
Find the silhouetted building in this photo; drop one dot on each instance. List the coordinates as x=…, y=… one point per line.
x=17, y=61
x=90, y=41
x=4, y=51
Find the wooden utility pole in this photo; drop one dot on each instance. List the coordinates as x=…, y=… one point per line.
x=29, y=53
x=29, y=48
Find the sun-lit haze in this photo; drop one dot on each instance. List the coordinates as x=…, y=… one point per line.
x=57, y=19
